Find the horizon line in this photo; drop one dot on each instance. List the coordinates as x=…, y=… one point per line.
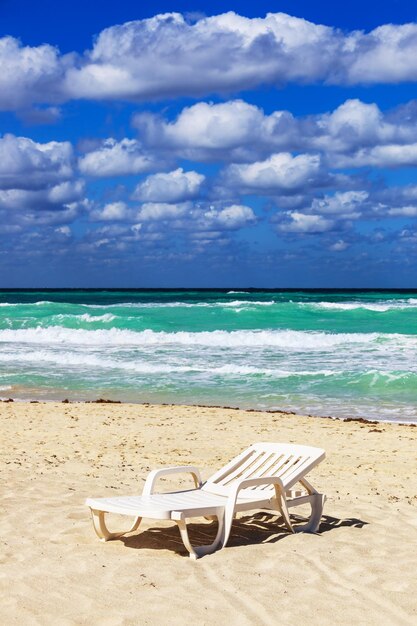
x=214, y=288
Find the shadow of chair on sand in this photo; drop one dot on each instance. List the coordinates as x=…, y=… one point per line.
x=246, y=530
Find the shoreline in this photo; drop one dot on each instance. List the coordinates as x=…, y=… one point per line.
x=344, y=357
x=361, y=420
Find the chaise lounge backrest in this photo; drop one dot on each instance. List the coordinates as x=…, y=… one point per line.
x=285, y=461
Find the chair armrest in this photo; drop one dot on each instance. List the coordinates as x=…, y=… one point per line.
x=250, y=482
x=243, y=483
x=153, y=476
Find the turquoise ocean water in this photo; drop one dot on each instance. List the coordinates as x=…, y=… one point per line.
x=347, y=353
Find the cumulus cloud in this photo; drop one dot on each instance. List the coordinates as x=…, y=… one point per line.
x=175, y=186
x=408, y=236
x=50, y=198
x=339, y=246
x=167, y=56
x=114, y=211
x=280, y=173
x=358, y=134
x=393, y=155
x=404, y=211
x=156, y=211
x=382, y=55
x=346, y=204
x=203, y=221
x=159, y=220
x=340, y=209
x=30, y=74
x=392, y=202
x=354, y=122
x=117, y=158
x=30, y=165
x=162, y=226
x=22, y=210
x=297, y=222
x=206, y=131
x=151, y=58
x=236, y=131
x=63, y=230
x=288, y=159
x=198, y=217
x=405, y=194
x=38, y=186
x=232, y=217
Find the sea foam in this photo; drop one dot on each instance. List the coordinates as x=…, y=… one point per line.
x=380, y=307
x=291, y=339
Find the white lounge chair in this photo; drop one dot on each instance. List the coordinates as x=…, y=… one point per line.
x=261, y=477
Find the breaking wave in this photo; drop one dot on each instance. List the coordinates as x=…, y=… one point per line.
x=381, y=307
x=291, y=339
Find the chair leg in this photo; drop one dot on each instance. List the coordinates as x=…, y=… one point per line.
x=198, y=551
x=283, y=509
x=317, y=501
x=103, y=532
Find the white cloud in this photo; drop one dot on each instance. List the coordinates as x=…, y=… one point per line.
x=346, y=204
x=394, y=155
x=29, y=215
x=281, y=172
x=385, y=55
x=63, y=230
x=29, y=74
x=29, y=165
x=155, y=211
x=305, y=223
x=408, y=236
x=37, y=184
x=355, y=124
x=198, y=221
x=407, y=193
x=376, y=203
x=339, y=246
x=230, y=218
x=355, y=120
x=167, y=57
x=114, y=211
x=117, y=158
x=240, y=132
x=233, y=131
x=50, y=198
x=206, y=130
x=175, y=186
x=405, y=211
x=66, y=192
x=151, y=58
x=357, y=134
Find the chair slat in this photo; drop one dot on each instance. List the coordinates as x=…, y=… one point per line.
x=238, y=471
x=266, y=468
x=251, y=470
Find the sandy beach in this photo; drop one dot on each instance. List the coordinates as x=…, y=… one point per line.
x=361, y=567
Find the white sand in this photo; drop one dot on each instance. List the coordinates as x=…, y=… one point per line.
x=360, y=569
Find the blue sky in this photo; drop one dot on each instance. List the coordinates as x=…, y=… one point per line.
x=208, y=144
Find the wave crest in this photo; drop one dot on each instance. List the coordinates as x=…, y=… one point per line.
x=380, y=307
x=285, y=339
